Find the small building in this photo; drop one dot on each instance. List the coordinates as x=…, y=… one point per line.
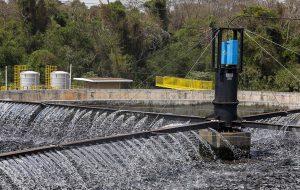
x=105, y=83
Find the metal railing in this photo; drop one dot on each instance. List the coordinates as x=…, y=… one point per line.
x=48, y=70
x=36, y=87
x=9, y=87
x=183, y=84
x=17, y=70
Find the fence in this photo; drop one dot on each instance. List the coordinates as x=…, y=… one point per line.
x=183, y=84
x=36, y=87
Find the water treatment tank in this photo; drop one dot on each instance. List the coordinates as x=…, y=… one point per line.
x=29, y=80
x=60, y=80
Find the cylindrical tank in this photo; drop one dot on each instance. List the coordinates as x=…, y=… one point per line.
x=60, y=80
x=226, y=102
x=29, y=80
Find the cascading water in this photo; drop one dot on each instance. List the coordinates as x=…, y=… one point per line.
x=31, y=125
x=291, y=119
x=164, y=161
x=106, y=166
x=161, y=162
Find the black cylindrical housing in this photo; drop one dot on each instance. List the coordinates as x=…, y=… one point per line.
x=226, y=86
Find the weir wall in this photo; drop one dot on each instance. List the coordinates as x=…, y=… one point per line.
x=153, y=96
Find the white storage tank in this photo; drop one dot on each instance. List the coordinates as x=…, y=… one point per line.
x=60, y=80
x=29, y=80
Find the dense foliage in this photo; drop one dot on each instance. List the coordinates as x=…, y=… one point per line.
x=156, y=37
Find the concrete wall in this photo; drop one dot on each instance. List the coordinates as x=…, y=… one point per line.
x=161, y=96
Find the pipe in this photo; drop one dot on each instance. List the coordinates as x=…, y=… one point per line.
x=267, y=115
x=166, y=115
x=261, y=125
x=147, y=134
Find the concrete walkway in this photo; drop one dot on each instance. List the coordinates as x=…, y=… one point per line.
x=153, y=96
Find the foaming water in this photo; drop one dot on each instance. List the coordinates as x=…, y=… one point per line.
x=31, y=125
x=169, y=161
x=165, y=161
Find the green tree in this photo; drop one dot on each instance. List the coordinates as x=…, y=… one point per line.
x=260, y=67
x=285, y=81
x=34, y=14
x=39, y=59
x=42, y=17
x=120, y=40
x=178, y=57
x=29, y=14
x=159, y=8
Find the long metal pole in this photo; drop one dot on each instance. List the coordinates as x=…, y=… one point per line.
x=115, y=138
x=70, y=87
x=6, y=78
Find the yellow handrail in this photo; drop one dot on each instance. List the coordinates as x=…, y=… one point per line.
x=183, y=84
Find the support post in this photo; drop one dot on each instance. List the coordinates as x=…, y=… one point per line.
x=6, y=82
x=227, y=71
x=70, y=76
x=227, y=61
